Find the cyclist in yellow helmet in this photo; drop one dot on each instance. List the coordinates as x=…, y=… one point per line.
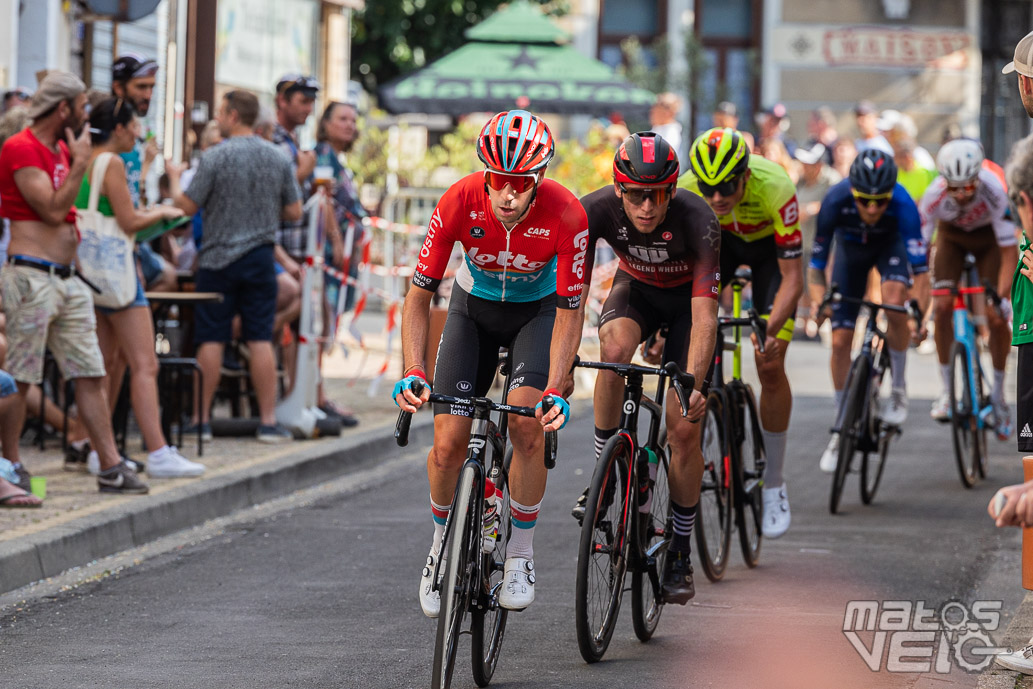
x=755, y=203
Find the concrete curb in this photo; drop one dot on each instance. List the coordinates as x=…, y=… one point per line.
x=142, y=520
x=1018, y=633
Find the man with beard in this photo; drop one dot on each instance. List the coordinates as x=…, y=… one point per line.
x=46, y=304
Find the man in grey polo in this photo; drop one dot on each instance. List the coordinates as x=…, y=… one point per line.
x=245, y=185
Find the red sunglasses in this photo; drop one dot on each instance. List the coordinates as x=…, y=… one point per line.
x=520, y=183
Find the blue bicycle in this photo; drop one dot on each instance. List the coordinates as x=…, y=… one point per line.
x=972, y=412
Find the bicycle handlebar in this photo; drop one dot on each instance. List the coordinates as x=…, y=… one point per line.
x=681, y=380
x=833, y=295
x=405, y=418
x=752, y=320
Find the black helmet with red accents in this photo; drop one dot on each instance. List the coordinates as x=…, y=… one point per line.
x=645, y=158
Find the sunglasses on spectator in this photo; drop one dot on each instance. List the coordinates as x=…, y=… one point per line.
x=18, y=93
x=868, y=200
x=297, y=82
x=636, y=196
x=725, y=188
x=963, y=190
x=520, y=183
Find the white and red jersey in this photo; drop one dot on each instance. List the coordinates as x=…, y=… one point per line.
x=987, y=208
x=544, y=253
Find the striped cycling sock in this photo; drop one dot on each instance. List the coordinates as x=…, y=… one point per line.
x=440, y=514
x=523, y=518
x=684, y=520
x=601, y=436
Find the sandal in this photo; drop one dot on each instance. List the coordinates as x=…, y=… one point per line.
x=16, y=497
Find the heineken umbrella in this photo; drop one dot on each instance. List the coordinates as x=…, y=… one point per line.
x=515, y=61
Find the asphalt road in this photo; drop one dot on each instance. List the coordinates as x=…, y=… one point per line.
x=322, y=593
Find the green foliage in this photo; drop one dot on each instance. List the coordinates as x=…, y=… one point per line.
x=393, y=37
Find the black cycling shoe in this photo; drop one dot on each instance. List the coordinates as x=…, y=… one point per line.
x=579, y=507
x=677, y=585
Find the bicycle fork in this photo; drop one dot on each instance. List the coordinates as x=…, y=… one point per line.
x=965, y=333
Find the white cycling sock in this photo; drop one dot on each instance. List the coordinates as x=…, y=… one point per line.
x=440, y=514
x=998, y=394
x=898, y=361
x=837, y=395
x=775, y=454
x=945, y=374
x=523, y=519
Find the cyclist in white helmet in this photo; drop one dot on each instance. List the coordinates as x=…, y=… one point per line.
x=966, y=206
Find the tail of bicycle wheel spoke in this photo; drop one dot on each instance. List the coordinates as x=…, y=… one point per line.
x=714, y=511
x=749, y=475
x=488, y=621
x=654, y=538
x=852, y=426
x=462, y=553
x=965, y=430
x=603, y=549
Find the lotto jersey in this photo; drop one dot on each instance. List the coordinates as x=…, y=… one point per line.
x=768, y=207
x=840, y=218
x=683, y=249
x=987, y=208
x=544, y=253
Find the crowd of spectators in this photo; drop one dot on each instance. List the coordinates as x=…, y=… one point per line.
x=231, y=224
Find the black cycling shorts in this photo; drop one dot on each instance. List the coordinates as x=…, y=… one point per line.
x=762, y=258
x=650, y=307
x=475, y=329
x=1024, y=403
x=853, y=261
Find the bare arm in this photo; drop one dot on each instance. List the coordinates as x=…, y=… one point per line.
x=415, y=324
x=116, y=189
x=704, y=337
x=37, y=188
x=181, y=200
x=1009, y=259
x=293, y=212
x=788, y=294
x=566, y=338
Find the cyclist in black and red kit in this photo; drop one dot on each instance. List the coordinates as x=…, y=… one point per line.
x=668, y=242
x=520, y=284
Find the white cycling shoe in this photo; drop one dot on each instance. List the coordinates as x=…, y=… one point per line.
x=776, y=512
x=830, y=457
x=941, y=409
x=430, y=600
x=893, y=409
x=518, y=584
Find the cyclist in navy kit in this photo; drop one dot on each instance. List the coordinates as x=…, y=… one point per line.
x=876, y=224
x=520, y=286
x=668, y=242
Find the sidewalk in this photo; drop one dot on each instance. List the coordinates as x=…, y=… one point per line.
x=78, y=524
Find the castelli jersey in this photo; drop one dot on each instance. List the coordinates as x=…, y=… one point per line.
x=684, y=248
x=988, y=207
x=543, y=254
x=768, y=207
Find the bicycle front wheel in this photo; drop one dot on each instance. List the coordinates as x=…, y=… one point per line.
x=714, y=511
x=872, y=463
x=488, y=624
x=603, y=550
x=964, y=424
x=748, y=473
x=462, y=550
x=655, y=530
x=852, y=428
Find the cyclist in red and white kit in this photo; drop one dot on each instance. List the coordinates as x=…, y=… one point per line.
x=966, y=206
x=520, y=284
x=668, y=242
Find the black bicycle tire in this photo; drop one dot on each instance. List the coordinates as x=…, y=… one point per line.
x=980, y=448
x=593, y=639
x=485, y=656
x=871, y=469
x=455, y=592
x=715, y=486
x=748, y=501
x=647, y=604
x=963, y=433
x=857, y=383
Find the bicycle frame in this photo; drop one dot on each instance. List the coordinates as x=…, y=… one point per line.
x=876, y=356
x=966, y=333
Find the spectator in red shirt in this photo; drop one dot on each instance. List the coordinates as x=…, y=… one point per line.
x=46, y=304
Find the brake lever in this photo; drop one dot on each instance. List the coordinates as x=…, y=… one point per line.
x=760, y=328
x=405, y=418
x=680, y=380
x=551, y=437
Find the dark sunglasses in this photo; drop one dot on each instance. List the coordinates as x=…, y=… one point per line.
x=725, y=188
x=965, y=189
x=636, y=196
x=520, y=183
x=869, y=200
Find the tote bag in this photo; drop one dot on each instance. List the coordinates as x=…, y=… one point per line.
x=106, y=255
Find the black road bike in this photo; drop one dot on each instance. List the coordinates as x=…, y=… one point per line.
x=468, y=579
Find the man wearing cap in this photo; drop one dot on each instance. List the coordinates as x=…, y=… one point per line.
x=295, y=98
x=867, y=118
x=47, y=305
x=773, y=123
x=726, y=115
x=133, y=78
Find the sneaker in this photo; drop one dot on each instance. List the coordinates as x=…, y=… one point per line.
x=170, y=464
x=1002, y=421
x=93, y=463
x=518, y=584
x=578, y=512
x=75, y=460
x=275, y=433
x=776, y=512
x=206, y=430
x=830, y=457
x=941, y=410
x=24, y=477
x=893, y=410
x=678, y=587
x=348, y=419
x=430, y=600
x=1019, y=661
x=121, y=479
